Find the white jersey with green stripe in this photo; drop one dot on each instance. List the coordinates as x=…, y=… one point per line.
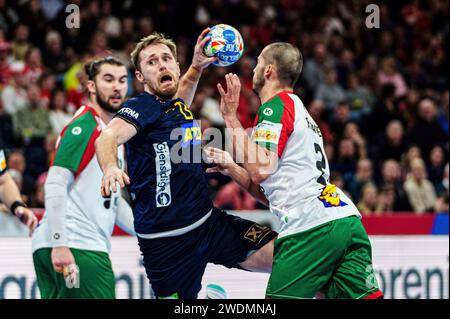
x=90, y=218
x=298, y=191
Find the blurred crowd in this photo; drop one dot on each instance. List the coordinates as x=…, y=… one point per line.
x=379, y=95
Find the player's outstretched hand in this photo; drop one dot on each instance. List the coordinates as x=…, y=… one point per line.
x=111, y=176
x=229, y=100
x=27, y=217
x=222, y=159
x=200, y=61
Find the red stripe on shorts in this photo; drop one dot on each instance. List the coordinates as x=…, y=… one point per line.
x=375, y=295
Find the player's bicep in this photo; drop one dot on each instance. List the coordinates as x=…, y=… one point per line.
x=267, y=135
x=274, y=127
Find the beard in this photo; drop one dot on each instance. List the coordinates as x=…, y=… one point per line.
x=166, y=94
x=103, y=103
x=258, y=83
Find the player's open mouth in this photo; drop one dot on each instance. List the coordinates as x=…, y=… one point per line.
x=166, y=79
x=116, y=98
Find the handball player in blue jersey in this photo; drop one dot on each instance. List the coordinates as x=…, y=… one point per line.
x=178, y=229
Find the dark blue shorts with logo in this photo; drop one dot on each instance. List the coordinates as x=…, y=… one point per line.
x=175, y=265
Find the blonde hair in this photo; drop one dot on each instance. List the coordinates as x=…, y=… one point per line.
x=154, y=38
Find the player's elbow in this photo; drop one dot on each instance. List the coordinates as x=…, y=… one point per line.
x=266, y=165
x=258, y=177
x=261, y=172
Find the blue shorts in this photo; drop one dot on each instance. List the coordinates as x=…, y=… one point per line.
x=175, y=265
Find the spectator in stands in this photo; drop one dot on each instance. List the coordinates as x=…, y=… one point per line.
x=427, y=131
x=20, y=44
x=99, y=44
x=8, y=16
x=416, y=76
x=419, y=189
x=38, y=198
x=16, y=161
x=384, y=111
x=351, y=131
x=359, y=97
x=233, y=197
x=436, y=166
x=33, y=65
x=47, y=83
x=386, y=199
x=330, y=92
x=33, y=15
x=389, y=75
x=363, y=176
x=330, y=153
x=340, y=119
x=14, y=95
x=313, y=73
x=5, y=66
x=368, y=69
x=345, y=66
x=393, y=144
x=347, y=159
x=33, y=121
x=53, y=54
x=59, y=114
x=392, y=175
x=368, y=202
x=75, y=85
x=411, y=153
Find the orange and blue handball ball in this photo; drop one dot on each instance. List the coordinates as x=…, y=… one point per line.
x=226, y=43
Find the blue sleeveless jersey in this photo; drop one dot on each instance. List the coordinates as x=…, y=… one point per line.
x=168, y=186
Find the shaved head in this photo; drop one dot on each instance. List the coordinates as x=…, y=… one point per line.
x=287, y=59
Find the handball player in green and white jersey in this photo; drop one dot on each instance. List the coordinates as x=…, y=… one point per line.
x=322, y=247
x=72, y=242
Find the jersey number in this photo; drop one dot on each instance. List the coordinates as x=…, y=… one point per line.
x=185, y=111
x=321, y=164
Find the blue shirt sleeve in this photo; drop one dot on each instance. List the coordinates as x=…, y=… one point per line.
x=141, y=111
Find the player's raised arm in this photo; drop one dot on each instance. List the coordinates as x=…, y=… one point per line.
x=189, y=81
x=116, y=133
x=258, y=161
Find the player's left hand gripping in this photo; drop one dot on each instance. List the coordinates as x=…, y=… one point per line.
x=200, y=61
x=229, y=100
x=111, y=177
x=27, y=217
